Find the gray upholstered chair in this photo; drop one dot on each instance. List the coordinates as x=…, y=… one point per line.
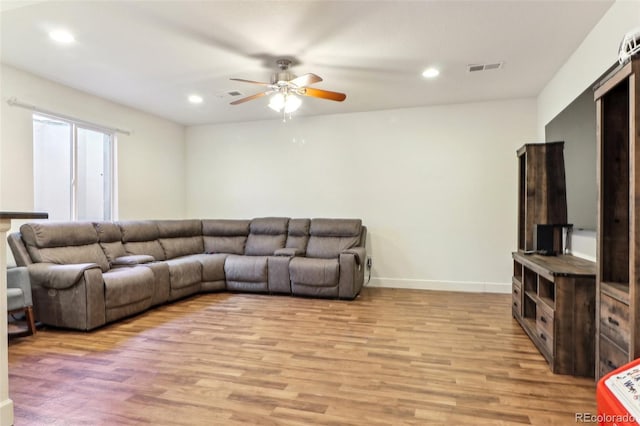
x=19, y=296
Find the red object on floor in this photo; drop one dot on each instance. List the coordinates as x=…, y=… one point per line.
x=612, y=410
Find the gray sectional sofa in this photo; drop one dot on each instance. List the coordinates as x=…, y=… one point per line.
x=84, y=275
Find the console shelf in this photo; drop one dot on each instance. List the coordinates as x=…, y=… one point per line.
x=555, y=305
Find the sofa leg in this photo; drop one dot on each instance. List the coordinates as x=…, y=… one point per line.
x=31, y=323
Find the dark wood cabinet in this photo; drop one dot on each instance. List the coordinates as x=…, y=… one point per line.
x=553, y=296
x=618, y=277
x=554, y=302
x=542, y=195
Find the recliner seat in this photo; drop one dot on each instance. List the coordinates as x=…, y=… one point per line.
x=332, y=265
x=181, y=240
x=221, y=238
x=250, y=271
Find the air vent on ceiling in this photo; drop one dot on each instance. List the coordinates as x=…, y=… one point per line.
x=484, y=67
x=229, y=94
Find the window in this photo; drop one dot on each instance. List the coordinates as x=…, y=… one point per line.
x=73, y=169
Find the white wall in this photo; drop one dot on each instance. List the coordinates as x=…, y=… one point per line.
x=592, y=58
x=435, y=185
x=150, y=160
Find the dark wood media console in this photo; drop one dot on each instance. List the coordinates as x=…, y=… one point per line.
x=554, y=302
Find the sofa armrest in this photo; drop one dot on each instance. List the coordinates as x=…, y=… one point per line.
x=288, y=252
x=50, y=275
x=133, y=260
x=360, y=254
x=351, y=272
x=18, y=277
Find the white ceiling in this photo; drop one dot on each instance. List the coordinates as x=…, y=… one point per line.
x=151, y=55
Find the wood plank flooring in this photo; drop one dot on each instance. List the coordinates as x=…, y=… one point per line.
x=391, y=357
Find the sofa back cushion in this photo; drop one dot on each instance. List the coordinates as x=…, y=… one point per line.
x=110, y=239
x=266, y=235
x=225, y=236
x=180, y=237
x=141, y=237
x=63, y=243
x=298, y=234
x=328, y=237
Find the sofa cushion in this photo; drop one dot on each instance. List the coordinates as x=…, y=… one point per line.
x=177, y=247
x=320, y=272
x=180, y=237
x=264, y=245
x=151, y=248
x=124, y=286
x=331, y=236
x=132, y=260
x=336, y=227
x=108, y=232
x=113, y=251
x=184, y=271
x=225, y=236
x=269, y=225
x=141, y=237
x=229, y=245
x=299, y=227
x=58, y=234
x=266, y=235
x=179, y=228
x=110, y=238
x=246, y=268
x=212, y=266
x=91, y=253
x=63, y=243
x=298, y=235
x=138, y=230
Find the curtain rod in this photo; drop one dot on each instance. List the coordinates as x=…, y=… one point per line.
x=16, y=103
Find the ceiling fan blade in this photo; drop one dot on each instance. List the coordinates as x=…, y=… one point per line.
x=305, y=80
x=249, y=98
x=324, y=94
x=251, y=81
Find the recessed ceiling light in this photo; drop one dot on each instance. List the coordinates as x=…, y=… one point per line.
x=195, y=99
x=62, y=36
x=430, y=73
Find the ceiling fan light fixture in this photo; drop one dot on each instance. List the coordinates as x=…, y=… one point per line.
x=285, y=90
x=292, y=103
x=277, y=102
x=284, y=101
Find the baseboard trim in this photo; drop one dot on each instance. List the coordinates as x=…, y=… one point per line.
x=462, y=286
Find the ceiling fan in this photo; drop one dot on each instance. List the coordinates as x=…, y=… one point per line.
x=285, y=86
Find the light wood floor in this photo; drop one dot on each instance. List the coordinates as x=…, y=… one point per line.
x=391, y=357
